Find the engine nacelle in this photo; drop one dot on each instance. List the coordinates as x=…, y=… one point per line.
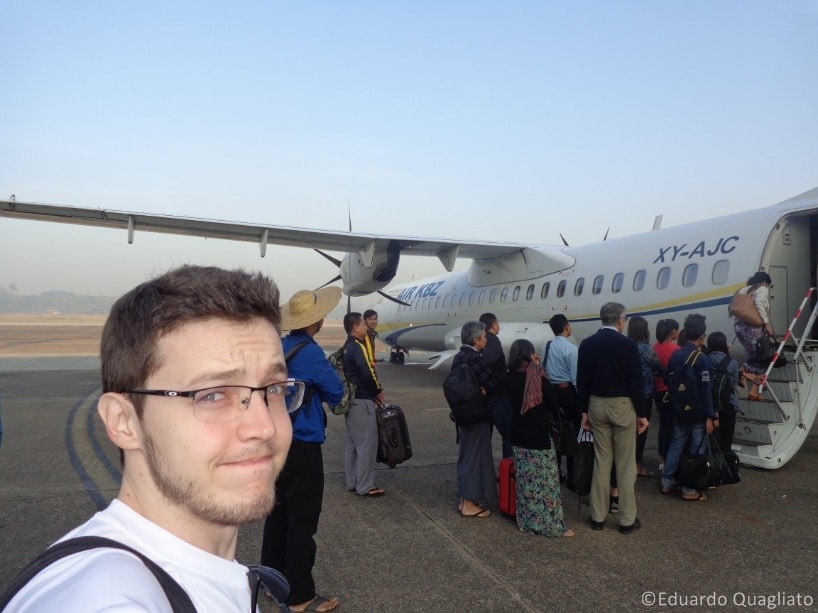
x=369, y=269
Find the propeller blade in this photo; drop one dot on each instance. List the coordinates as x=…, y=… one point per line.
x=335, y=261
x=338, y=278
x=564, y=242
x=604, y=238
x=388, y=297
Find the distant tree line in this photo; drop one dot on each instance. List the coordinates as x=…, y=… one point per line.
x=47, y=302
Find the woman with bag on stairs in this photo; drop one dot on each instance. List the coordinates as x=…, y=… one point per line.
x=751, y=326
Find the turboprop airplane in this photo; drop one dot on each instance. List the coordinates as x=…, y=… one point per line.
x=696, y=267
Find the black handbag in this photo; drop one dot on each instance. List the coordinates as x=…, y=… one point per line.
x=584, y=463
x=564, y=434
x=726, y=462
x=764, y=350
x=698, y=470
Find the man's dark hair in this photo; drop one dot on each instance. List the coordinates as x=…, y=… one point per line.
x=140, y=318
x=370, y=313
x=558, y=324
x=694, y=327
x=488, y=319
x=351, y=320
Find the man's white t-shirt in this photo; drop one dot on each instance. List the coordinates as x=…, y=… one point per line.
x=111, y=579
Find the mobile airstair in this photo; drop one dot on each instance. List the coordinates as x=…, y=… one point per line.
x=769, y=432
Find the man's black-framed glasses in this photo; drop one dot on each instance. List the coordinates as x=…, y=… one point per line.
x=228, y=402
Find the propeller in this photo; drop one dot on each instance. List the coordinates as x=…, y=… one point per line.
x=337, y=262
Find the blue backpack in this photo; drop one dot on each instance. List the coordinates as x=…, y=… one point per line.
x=683, y=389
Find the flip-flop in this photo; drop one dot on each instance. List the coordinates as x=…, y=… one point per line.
x=671, y=490
x=375, y=491
x=699, y=498
x=478, y=515
x=316, y=602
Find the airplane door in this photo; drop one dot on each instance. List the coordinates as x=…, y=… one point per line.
x=780, y=308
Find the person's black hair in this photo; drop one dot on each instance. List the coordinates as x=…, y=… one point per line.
x=664, y=328
x=759, y=278
x=521, y=351
x=488, y=319
x=717, y=341
x=558, y=324
x=695, y=326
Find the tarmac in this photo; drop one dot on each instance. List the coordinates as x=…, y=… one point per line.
x=751, y=547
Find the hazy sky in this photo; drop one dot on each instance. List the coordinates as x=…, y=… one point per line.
x=488, y=120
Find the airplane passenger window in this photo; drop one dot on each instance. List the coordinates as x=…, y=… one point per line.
x=579, y=286
x=482, y=297
x=663, y=278
x=516, y=295
x=544, y=291
x=504, y=294
x=720, y=270
x=618, y=279
x=463, y=299
x=437, y=302
x=597, y=286
x=529, y=293
x=561, y=288
x=689, y=275
x=493, y=295
x=639, y=280
x=471, y=299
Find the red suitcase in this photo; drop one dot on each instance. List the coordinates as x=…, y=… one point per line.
x=508, y=487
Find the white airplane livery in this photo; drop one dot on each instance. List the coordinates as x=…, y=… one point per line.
x=671, y=272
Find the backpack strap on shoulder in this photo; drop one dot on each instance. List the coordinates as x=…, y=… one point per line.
x=177, y=597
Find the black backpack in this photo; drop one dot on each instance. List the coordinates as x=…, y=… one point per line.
x=683, y=390
x=180, y=602
x=465, y=398
x=722, y=388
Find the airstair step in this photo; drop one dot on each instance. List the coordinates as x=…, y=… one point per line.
x=762, y=412
x=753, y=433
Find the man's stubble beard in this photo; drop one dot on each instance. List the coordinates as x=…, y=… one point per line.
x=183, y=493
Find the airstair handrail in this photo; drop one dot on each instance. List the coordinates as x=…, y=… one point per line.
x=788, y=334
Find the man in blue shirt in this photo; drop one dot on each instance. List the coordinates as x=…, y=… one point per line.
x=559, y=358
x=288, y=544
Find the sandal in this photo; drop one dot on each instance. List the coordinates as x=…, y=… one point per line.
x=698, y=498
x=375, y=491
x=481, y=514
x=645, y=473
x=315, y=603
x=670, y=490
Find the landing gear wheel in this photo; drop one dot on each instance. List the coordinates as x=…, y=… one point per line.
x=396, y=356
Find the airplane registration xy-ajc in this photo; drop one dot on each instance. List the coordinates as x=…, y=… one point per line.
x=670, y=272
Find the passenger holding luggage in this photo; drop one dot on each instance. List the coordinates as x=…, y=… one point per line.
x=719, y=352
x=747, y=333
x=476, y=480
x=691, y=366
x=498, y=399
x=195, y=395
x=288, y=544
x=361, y=447
x=667, y=331
x=611, y=400
x=559, y=359
x=534, y=405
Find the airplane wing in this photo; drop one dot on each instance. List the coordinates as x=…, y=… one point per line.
x=447, y=250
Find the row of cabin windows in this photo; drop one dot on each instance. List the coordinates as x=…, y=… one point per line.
x=690, y=273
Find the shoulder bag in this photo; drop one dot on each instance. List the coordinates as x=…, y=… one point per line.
x=743, y=306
